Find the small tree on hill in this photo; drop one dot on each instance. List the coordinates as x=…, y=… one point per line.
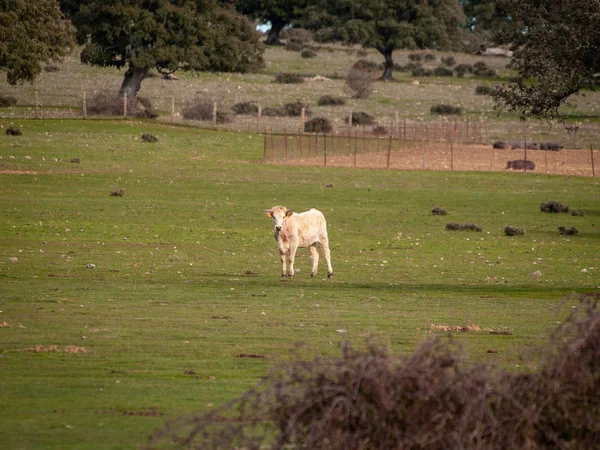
x=388, y=25
x=167, y=35
x=31, y=33
x=556, y=47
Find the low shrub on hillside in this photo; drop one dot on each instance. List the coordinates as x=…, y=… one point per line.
x=484, y=90
x=360, y=118
x=442, y=72
x=202, y=109
x=571, y=231
x=449, y=60
x=147, y=137
x=289, y=78
x=366, y=65
x=299, y=35
x=294, y=109
x=318, y=125
x=330, y=100
x=51, y=68
x=443, y=109
x=308, y=54
x=463, y=69
x=577, y=212
x=7, y=100
x=435, y=399
x=293, y=46
x=420, y=71
x=416, y=57
x=429, y=57
x=437, y=211
x=360, y=83
x=379, y=130
x=13, y=131
x=245, y=108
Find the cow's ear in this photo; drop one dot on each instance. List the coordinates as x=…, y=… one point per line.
x=269, y=213
x=288, y=213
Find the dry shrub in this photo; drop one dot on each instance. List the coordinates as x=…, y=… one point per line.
x=13, y=131
x=553, y=207
x=51, y=68
x=437, y=211
x=418, y=70
x=105, y=103
x=453, y=226
x=484, y=90
x=7, y=100
x=449, y=60
x=433, y=399
x=308, y=54
x=572, y=231
x=513, y=231
x=442, y=72
x=202, y=109
x=463, y=69
x=299, y=35
x=361, y=118
x=416, y=57
x=117, y=192
x=245, y=108
x=443, y=109
x=318, y=125
x=429, y=57
x=147, y=137
x=294, y=109
x=360, y=82
x=365, y=65
x=578, y=212
x=289, y=78
x=274, y=111
x=379, y=130
x=330, y=100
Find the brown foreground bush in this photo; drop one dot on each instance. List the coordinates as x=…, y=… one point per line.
x=433, y=399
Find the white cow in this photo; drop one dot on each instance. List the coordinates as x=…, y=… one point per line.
x=293, y=230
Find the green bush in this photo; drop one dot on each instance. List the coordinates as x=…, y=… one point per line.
x=484, y=90
x=308, y=54
x=245, y=108
x=449, y=60
x=7, y=100
x=442, y=72
x=360, y=118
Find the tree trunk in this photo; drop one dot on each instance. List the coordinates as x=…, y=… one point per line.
x=273, y=34
x=133, y=81
x=389, y=65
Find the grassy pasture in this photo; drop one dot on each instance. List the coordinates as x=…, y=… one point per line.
x=186, y=309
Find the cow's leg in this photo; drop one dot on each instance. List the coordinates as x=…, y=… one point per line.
x=283, y=266
x=293, y=249
x=327, y=253
x=314, y=254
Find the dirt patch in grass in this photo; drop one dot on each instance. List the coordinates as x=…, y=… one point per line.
x=460, y=328
x=18, y=172
x=55, y=349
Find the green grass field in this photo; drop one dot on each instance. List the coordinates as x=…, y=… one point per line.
x=186, y=309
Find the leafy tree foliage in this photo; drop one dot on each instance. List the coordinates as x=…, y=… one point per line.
x=387, y=25
x=279, y=13
x=169, y=35
x=556, y=46
x=484, y=16
x=31, y=33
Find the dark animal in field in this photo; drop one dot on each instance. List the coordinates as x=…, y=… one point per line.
x=551, y=146
x=530, y=145
x=520, y=164
x=12, y=131
x=499, y=144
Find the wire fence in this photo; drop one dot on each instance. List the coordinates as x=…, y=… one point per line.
x=358, y=149
x=442, y=143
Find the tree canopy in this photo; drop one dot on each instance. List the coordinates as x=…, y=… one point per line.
x=556, y=47
x=167, y=35
x=31, y=33
x=279, y=13
x=388, y=25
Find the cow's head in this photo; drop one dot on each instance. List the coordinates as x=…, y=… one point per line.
x=278, y=214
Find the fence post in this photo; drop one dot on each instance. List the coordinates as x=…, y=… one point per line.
x=349, y=121
x=259, y=116
x=325, y=149
x=172, y=109
x=37, y=105
x=451, y=155
x=355, y=146
x=265, y=148
x=84, y=106
x=302, y=116
x=593, y=167
x=214, y=113
x=285, y=144
x=300, y=143
x=389, y=153
x=125, y=105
